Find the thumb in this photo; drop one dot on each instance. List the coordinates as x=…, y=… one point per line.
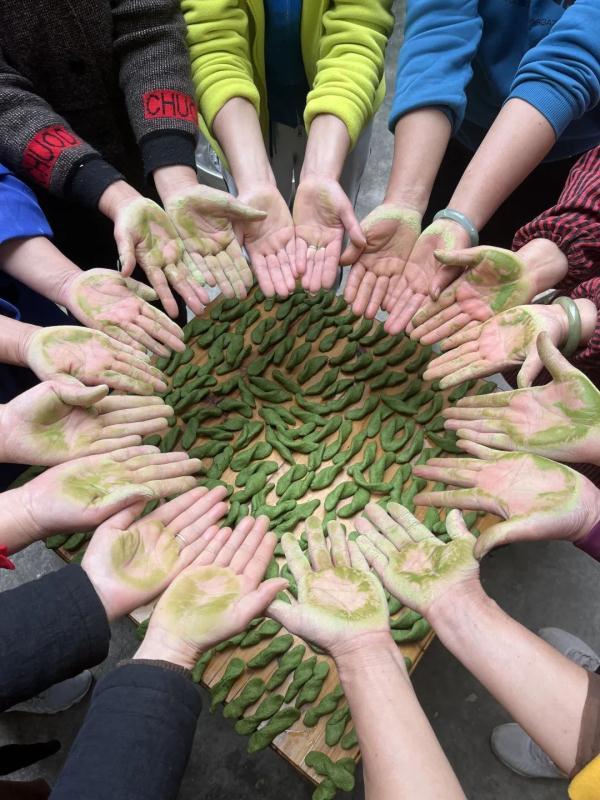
x=285, y=613
x=126, y=250
x=556, y=364
x=465, y=258
x=240, y=211
x=80, y=395
x=352, y=225
x=501, y=533
x=531, y=369
x=140, y=289
x=254, y=604
x=126, y=517
x=124, y=496
x=351, y=254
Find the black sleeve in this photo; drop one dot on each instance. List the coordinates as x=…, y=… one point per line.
x=136, y=739
x=50, y=630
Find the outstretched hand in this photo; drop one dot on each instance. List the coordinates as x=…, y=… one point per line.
x=130, y=561
x=422, y=276
x=339, y=599
x=560, y=420
x=322, y=214
x=216, y=596
x=493, y=280
x=57, y=421
x=412, y=563
x=120, y=308
x=65, y=351
x=537, y=498
x=390, y=231
x=204, y=218
x=504, y=341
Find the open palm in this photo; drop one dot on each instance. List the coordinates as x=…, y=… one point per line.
x=560, y=420
x=537, y=498
x=494, y=280
x=391, y=232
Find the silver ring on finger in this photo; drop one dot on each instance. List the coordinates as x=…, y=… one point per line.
x=182, y=539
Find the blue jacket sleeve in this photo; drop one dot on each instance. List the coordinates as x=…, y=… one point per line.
x=560, y=76
x=441, y=38
x=136, y=738
x=20, y=214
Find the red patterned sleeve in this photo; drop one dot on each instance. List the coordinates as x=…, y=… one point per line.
x=573, y=224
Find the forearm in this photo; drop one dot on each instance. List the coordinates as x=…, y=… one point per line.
x=37, y=263
x=116, y=196
x=401, y=755
x=326, y=149
x=136, y=738
x=541, y=689
x=14, y=339
x=238, y=131
x=515, y=144
x=420, y=141
x=173, y=180
x=17, y=529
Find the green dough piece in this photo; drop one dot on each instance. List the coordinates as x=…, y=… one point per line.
x=249, y=318
x=257, y=452
x=341, y=492
x=412, y=450
x=340, y=773
x=233, y=642
x=251, y=692
x=298, y=356
x=321, y=385
x=312, y=688
x=378, y=334
x=266, y=709
x=376, y=487
x=222, y=688
x=407, y=349
x=201, y=665
x=220, y=463
x=337, y=388
x=369, y=456
x=315, y=459
x=272, y=395
x=230, y=404
x=364, y=327
x=356, y=504
x=265, y=630
x=419, y=360
x=310, y=369
x=406, y=620
x=246, y=395
x=301, y=676
x=299, y=488
x=486, y=388
x=347, y=354
x=396, y=442
x=250, y=432
x=260, y=331
x=326, y=790
x=377, y=470
x=374, y=425
x=295, y=473
x=170, y=440
x=336, y=725
x=74, y=541
x=367, y=408
x=282, y=349
x=346, y=455
x=333, y=449
x=376, y=368
x=153, y=440
x=282, y=720
x=327, y=705
x=349, y=739
x=287, y=664
x=190, y=435
x=274, y=512
x=262, y=468
x=286, y=382
x=436, y=425
x=142, y=629
x=460, y=391
x=259, y=365
x=254, y=484
x=420, y=629
x=278, y=646
x=56, y=541
x=230, y=519
x=425, y=416
x=362, y=362
x=331, y=426
x=384, y=346
x=283, y=451
x=325, y=477
x=226, y=387
x=447, y=443
x=307, y=416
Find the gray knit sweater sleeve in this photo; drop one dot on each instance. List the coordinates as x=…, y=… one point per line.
x=39, y=145
x=155, y=78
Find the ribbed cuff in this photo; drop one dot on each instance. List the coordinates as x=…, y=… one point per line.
x=543, y=97
x=89, y=179
x=152, y=662
x=590, y=543
x=168, y=149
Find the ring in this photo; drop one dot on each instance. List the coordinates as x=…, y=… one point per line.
x=181, y=538
x=314, y=247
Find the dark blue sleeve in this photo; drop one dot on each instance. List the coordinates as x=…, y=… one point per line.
x=20, y=214
x=441, y=38
x=50, y=630
x=136, y=738
x=560, y=76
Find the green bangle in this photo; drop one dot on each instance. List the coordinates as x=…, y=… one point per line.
x=574, y=317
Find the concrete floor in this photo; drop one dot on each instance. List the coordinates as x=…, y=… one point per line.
x=539, y=584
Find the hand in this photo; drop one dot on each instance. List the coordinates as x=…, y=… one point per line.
x=120, y=308
x=93, y=358
x=81, y=494
x=413, y=565
x=494, y=280
x=203, y=218
x=130, y=561
x=422, y=275
x=54, y=422
x=270, y=241
x=216, y=596
x=391, y=231
x=560, y=420
x=145, y=235
x=538, y=498
x=338, y=598
x=322, y=214
x=504, y=341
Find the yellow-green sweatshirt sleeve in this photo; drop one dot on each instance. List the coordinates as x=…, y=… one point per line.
x=217, y=36
x=349, y=76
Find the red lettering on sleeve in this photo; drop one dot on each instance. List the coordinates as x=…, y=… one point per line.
x=43, y=150
x=169, y=104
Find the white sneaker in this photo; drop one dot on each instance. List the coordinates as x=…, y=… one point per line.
x=59, y=697
x=517, y=751
x=574, y=648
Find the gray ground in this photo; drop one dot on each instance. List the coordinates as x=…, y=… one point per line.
x=539, y=584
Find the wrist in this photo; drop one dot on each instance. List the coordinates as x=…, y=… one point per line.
x=415, y=199
x=462, y=221
x=64, y=284
x=366, y=653
x=326, y=149
x=165, y=647
x=546, y=264
x=19, y=525
x=562, y=321
x=173, y=180
x=461, y=602
x=115, y=197
x=26, y=334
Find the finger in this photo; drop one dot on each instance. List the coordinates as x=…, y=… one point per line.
x=263, y=276
x=432, y=311
x=532, y=366
x=358, y=561
x=173, y=469
x=384, y=523
x=469, y=499
x=79, y=395
x=464, y=258
x=220, y=278
x=296, y=560
x=231, y=270
x=453, y=476
x=182, y=286
x=123, y=496
x=235, y=541
x=133, y=454
x=366, y=528
x=254, y=604
x=479, y=451
x=242, y=212
x=373, y=556
x=403, y=312
x=467, y=349
x=196, y=512
x=556, y=364
x=353, y=283
x=480, y=368
x=470, y=334
x=456, y=326
x=133, y=413
x=130, y=335
x=455, y=413
x=301, y=255
x=158, y=280
x=210, y=544
x=140, y=289
x=456, y=528
x=107, y=445
x=377, y=296
x=139, y=460
x=352, y=227
x=245, y=557
x=485, y=425
x=168, y=513
x=287, y=614
x=286, y=267
x=264, y=546
x=495, y=440
x=339, y=544
x=158, y=325
x=125, y=518
x=331, y=265
x=504, y=532
x=276, y=276
x=446, y=368
x=143, y=428
x=126, y=251
x=487, y=400
x=317, y=549
x=351, y=254
x=415, y=529
x=131, y=380
x=170, y=487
